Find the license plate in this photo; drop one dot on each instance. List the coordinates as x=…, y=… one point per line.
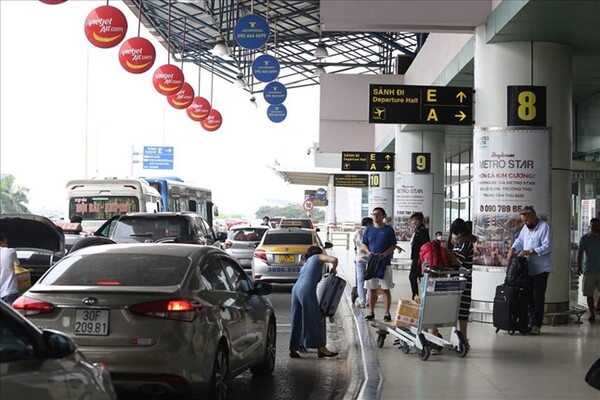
x=287, y=258
x=91, y=322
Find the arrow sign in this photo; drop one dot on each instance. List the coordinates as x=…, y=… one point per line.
x=362, y=161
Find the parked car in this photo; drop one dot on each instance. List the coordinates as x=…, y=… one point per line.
x=38, y=242
x=177, y=227
x=242, y=241
x=280, y=254
x=167, y=319
x=36, y=364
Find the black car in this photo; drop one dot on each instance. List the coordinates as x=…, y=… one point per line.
x=175, y=227
x=38, y=241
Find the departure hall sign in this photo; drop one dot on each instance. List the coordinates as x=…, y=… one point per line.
x=362, y=161
x=429, y=105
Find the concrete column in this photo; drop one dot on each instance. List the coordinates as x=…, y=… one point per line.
x=498, y=65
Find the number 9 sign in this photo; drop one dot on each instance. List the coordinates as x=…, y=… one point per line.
x=421, y=162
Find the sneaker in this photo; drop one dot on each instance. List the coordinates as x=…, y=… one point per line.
x=370, y=316
x=387, y=317
x=535, y=330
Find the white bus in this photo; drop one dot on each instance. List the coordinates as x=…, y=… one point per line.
x=97, y=200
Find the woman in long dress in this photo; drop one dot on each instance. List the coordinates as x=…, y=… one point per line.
x=307, y=322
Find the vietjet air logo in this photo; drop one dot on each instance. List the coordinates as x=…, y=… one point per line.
x=137, y=55
x=168, y=79
x=199, y=109
x=183, y=98
x=213, y=121
x=105, y=27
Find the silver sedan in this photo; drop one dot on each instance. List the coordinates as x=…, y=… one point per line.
x=242, y=241
x=164, y=318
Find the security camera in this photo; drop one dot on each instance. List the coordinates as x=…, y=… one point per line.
x=308, y=151
x=252, y=99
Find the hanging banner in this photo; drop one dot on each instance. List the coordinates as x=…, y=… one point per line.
x=276, y=113
x=511, y=170
x=213, y=121
x=266, y=68
x=275, y=93
x=105, y=26
x=384, y=198
x=251, y=31
x=413, y=193
x=137, y=55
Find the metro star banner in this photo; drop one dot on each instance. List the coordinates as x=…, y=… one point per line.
x=511, y=170
x=413, y=193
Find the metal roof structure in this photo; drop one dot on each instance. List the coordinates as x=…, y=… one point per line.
x=189, y=29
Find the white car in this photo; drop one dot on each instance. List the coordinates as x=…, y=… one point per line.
x=36, y=364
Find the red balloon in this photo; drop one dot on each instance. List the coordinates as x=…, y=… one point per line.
x=213, y=121
x=137, y=55
x=199, y=109
x=105, y=27
x=183, y=98
x=168, y=79
x=53, y=1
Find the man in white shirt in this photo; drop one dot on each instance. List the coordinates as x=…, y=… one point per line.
x=9, y=290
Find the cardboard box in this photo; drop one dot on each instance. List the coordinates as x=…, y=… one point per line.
x=407, y=313
x=23, y=279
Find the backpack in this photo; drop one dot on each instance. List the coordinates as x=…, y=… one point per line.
x=516, y=272
x=433, y=255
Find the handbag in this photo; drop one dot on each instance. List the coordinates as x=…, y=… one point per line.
x=593, y=375
x=372, y=264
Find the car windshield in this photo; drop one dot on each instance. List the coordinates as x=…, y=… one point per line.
x=150, y=228
x=118, y=270
x=246, y=234
x=289, y=238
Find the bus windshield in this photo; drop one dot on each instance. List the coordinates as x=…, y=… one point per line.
x=102, y=207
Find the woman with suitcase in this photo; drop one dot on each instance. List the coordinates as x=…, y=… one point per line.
x=307, y=323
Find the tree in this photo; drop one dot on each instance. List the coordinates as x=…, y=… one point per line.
x=12, y=197
x=289, y=211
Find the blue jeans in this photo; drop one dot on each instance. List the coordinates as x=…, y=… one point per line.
x=10, y=298
x=361, y=266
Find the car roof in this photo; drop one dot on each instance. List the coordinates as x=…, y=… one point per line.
x=171, y=249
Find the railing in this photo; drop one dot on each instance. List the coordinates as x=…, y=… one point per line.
x=340, y=239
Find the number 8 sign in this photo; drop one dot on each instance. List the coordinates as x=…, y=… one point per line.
x=526, y=106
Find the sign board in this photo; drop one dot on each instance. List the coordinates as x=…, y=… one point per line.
x=251, y=31
x=374, y=180
x=429, y=105
x=362, y=161
x=158, y=157
x=420, y=162
x=317, y=197
x=308, y=205
x=526, y=105
x=351, y=180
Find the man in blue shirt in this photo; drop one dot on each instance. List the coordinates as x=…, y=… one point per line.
x=380, y=241
x=534, y=242
x=589, y=245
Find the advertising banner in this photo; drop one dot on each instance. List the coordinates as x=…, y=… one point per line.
x=511, y=170
x=413, y=193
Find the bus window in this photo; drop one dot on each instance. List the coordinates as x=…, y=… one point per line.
x=192, y=205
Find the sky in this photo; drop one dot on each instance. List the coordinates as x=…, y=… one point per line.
x=59, y=92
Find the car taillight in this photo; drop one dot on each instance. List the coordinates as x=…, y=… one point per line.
x=228, y=244
x=260, y=253
x=177, y=309
x=28, y=306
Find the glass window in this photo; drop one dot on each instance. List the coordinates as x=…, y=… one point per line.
x=15, y=345
x=288, y=238
x=118, y=270
x=215, y=276
x=238, y=278
x=103, y=207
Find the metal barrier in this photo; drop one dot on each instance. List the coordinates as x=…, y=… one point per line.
x=340, y=239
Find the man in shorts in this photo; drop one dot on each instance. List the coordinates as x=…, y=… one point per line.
x=588, y=263
x=380, y=241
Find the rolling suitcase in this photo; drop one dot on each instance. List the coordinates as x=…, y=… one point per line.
x=331, y=295
x=510, y=309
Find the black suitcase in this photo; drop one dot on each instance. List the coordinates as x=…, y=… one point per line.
x=510, y=309
x=331, y=295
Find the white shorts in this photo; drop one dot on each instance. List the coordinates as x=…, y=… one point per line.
x=591, y=281
x=386, y=283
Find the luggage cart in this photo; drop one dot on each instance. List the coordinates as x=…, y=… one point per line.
x=440, y=303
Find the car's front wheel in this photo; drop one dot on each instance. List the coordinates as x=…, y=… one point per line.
x=266, y=366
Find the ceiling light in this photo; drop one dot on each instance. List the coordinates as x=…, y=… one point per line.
x=320, y=70
x=321, y=51
x=239, y=81
x=220, y=48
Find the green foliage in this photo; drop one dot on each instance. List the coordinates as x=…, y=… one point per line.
x=12, y=198
x=289, y=211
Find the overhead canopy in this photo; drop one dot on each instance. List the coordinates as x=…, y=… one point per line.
x=306, y=176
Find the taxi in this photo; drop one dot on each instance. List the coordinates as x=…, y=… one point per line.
x=279, y=256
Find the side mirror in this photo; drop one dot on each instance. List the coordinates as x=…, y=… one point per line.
x=317, y=229
x=328, y=245
x=263, y=288
x=58, y=345
x=221, y=236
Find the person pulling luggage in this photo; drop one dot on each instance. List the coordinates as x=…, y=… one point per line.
x=307, y=323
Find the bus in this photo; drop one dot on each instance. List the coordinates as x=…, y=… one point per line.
x=179, y=196
x=97, y=200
